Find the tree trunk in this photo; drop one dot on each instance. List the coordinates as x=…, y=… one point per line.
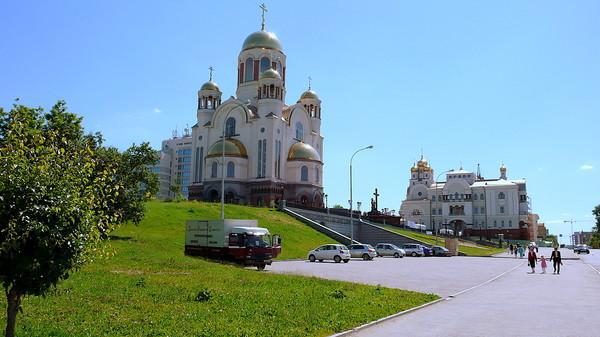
x=13, y=299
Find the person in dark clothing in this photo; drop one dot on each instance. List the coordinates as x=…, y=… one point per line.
x=531, y=258
x=511, y=248
x=556, y=260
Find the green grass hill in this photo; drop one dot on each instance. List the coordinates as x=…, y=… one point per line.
x=147, y=287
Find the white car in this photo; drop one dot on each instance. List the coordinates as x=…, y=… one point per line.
x=335, y=252
x=388, y=249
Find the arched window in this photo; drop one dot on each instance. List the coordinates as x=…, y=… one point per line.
x=433, y=198
x=304, y=173
x=299, y=131
x=265, y=64
x=230, y=169
x=279, y=68
x=213, y=170
x=475, y=196
x=456, y=196
x=249, y=69
x=481, y=196
x=230, y=127
x=316, y=174
x=501, y=195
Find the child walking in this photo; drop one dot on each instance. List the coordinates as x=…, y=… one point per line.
x=543, y=264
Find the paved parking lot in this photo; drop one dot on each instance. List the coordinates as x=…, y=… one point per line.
x=443, y=276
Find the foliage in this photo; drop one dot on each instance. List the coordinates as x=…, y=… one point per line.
x=338, y=206
x=61, y=193
x=595, y=241
x=102, y=299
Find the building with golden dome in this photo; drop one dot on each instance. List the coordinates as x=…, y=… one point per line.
x=467, y=203
x=272, y=150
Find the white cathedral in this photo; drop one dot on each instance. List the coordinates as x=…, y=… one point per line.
x=467, y=203
x=272, y=151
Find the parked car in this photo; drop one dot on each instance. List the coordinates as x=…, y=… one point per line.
x=413, y=249
x=427, y=251
x=333, y=252
x=581, y=249
x=440, y=251
x=388, y=249
x=366, y=252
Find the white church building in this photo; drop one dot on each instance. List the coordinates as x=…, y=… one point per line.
x=272, y=150
x=466, y=202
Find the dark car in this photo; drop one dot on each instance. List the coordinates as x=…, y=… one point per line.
x=427, y=251
x=581, y=249
x=440, y=251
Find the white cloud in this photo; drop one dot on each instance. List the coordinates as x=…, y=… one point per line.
x=586, y=167
x=157, y=110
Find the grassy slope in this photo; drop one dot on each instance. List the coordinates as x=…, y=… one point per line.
x=148, y=288
x=469, y=249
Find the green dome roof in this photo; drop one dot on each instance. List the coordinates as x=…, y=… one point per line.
x=210, y=85
x=309, y=94
x=233, y=148
x=270, y=73
x=262, y=39
x=303, y=151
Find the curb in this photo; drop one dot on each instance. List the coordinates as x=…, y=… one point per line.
x=381, y=320
x=408, y=311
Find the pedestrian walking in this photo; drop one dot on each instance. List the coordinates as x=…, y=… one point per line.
x=556, y=260
x=531, y=259
x=516, y=250
x=521, y=252
x=543, y=264
x=510, y=249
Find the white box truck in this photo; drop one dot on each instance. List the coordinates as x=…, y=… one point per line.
x=241, y=241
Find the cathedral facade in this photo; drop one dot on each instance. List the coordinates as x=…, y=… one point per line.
x=265, y=149
x=467, y=203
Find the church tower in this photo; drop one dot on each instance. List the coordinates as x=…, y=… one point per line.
x=261, y=52
x=421, y=177
x=209, y=99
x=311, y=102
x=503, y=172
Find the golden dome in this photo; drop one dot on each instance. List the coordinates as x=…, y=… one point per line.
x=270, y=73
x=304, y=152
x=233, y=148
x=309, y=94
x=210, y=85
x=262, y=39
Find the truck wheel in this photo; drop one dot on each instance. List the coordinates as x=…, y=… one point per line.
x=261, y=266
x=396, y=255
x=312, y=258
x=337, y=259
x=366, y=257
x=413, y=254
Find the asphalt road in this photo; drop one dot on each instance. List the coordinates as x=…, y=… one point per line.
x=443, y=276
x=513, y=303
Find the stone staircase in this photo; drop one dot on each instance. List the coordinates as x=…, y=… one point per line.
x=364, y=231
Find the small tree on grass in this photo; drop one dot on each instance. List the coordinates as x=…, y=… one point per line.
x=595, y=241
x=61, y=193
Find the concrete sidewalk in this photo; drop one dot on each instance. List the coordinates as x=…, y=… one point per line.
x=517, y=304
x=566, y=254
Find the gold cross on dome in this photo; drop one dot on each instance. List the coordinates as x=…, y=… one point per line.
x=210, y=72
x=263, y=7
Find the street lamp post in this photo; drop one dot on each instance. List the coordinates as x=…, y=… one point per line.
x=223, y=160
x=350, y=201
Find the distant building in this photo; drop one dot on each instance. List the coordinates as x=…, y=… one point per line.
x=579, y=238
x=542, y=231
x=175, y=166
x=468, y=203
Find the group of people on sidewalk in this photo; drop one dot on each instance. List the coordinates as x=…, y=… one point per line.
x=532, y=257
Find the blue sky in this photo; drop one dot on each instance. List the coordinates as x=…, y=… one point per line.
x=466, y=81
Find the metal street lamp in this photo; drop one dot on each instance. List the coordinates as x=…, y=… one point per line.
x=223, y=157
x=350, y=201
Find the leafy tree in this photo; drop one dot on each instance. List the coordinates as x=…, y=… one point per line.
x=61, y=193
x=595, y=241
x=338, y=206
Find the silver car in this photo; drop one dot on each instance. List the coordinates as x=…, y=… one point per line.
x=335, y=252
x=388, y=249
x=366, y=252
x=413, y=249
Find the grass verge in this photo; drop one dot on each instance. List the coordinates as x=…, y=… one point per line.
x=149, y=288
